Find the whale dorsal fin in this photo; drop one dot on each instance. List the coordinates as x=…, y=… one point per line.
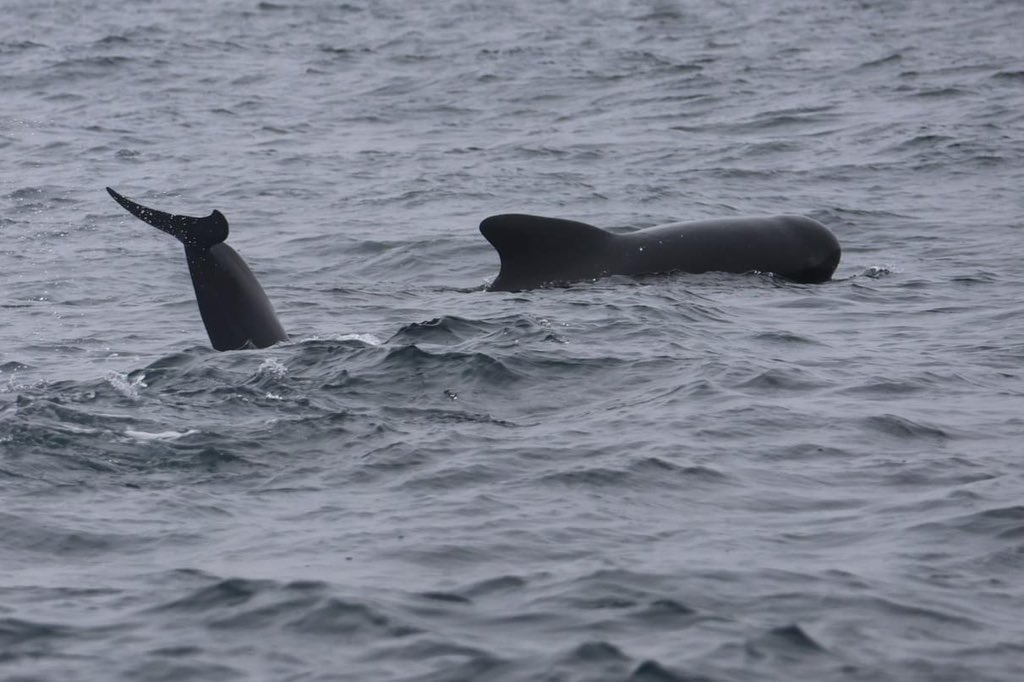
x=535, y=250
x=200, y=233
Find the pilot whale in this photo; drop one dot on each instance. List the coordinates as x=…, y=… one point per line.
x=536, y=251
x=234, y=308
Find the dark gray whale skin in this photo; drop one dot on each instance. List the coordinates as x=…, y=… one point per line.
x=536, y=251
x=234, y=308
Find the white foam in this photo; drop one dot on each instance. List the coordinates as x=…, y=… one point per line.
x=272, y=368
x=129, y=388
x=368, y=339
x=162, y=435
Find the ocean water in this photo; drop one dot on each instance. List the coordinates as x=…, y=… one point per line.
x=693, y=477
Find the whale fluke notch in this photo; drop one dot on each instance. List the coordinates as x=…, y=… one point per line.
x=199, y=233
x=535, y=250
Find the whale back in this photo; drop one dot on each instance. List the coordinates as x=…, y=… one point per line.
x=536, y=251
x=793, y=247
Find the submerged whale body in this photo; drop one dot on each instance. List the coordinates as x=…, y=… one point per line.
x=537, y=251
x=236, y=312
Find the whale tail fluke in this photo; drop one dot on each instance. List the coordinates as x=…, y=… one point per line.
x=234, y=308
x=199, y=233
x=535, y=251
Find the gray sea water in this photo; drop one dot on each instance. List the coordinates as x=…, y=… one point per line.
x=694, y=477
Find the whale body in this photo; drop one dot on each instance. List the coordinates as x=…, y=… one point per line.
x=536, y=251
x=234, y=308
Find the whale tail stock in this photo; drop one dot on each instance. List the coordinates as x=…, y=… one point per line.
x=535, y=250
x=199, y=233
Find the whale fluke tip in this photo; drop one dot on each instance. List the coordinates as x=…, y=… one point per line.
x=192, y=232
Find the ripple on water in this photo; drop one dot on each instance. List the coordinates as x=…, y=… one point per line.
x=903, y=428
x=651, y=478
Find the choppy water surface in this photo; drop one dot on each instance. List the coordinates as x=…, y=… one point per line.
x=674, y=478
